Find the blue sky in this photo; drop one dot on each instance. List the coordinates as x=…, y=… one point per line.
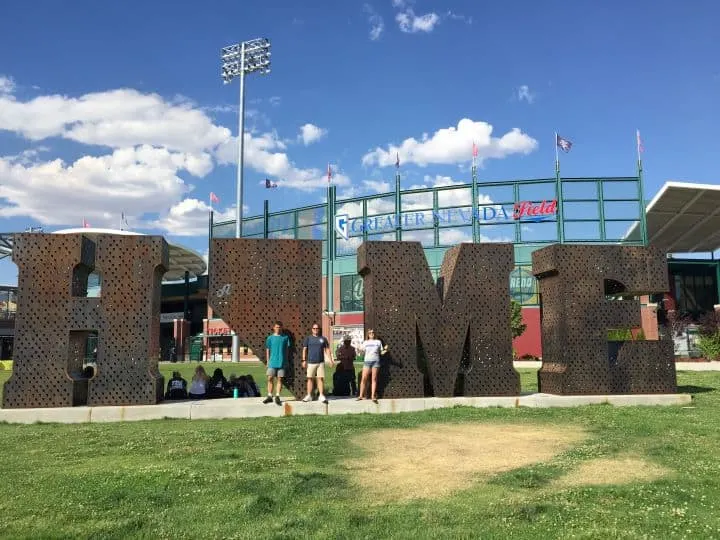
x=118, y=107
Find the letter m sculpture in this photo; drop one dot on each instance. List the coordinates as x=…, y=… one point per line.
x=444, y=340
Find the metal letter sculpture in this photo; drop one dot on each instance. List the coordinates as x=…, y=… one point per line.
x=576, y=317
x=54, y=319
x=256, y=282
x=435, y=335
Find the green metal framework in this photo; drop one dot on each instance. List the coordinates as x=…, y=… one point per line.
x=589, y=210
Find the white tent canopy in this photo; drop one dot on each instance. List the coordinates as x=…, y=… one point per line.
x=685, y=218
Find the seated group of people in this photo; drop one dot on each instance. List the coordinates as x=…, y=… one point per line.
x=217, y=386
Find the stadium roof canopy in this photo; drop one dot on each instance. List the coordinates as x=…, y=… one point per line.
x=685, y=218
x=181, y=258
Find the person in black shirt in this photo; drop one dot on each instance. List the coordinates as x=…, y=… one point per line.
x=177, y=387
x=218, y=385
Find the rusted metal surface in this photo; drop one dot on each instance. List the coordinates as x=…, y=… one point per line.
x=576, y=317
x=54, y=319
x=254, y=283
x=445, y=340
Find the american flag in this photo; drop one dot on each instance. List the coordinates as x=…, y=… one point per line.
x=564, y=144
x=397, y=160
x=85, y=224
x=329, y=173
x=475, y=150
x=640, y=147
x=214, y=198
x=269, y=184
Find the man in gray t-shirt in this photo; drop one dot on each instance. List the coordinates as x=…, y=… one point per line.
x=315, y=347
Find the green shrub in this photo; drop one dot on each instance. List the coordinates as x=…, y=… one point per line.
x=625, y=334
x=709, y=345
x=516, y=321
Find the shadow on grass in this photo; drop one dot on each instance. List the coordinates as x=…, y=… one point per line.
x=690, y=389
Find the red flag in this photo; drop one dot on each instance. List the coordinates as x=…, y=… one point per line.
x=214, y=198
x=329, y=173
x=85, y=224
x=475, y=149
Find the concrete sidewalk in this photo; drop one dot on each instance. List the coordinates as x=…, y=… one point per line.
x=253, y=407
x=679, y=366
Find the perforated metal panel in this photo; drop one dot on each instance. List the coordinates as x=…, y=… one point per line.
x=253, y=283
x=53, y=320
x=431, y=339
x=576, y=316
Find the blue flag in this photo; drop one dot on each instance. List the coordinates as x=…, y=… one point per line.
x=563, y=144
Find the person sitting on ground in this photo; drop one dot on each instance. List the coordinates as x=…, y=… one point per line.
x=253, y=389
x=199, y=384
x=243, y=388
x=217, y=388
x=177, y=387
x=344, y=383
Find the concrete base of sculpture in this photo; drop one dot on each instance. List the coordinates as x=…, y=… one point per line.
x=253, y=407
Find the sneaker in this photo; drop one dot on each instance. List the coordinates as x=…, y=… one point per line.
x=307, y=398
x=277, y=400
x=267, y=399
x=322, y=398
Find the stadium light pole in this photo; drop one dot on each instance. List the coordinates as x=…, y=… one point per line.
x=237, y=60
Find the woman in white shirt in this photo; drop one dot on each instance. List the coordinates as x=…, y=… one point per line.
x=198, y=385
x=373, y=349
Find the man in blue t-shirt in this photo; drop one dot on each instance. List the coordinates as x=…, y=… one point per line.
x=276, y=355
x=315, y=347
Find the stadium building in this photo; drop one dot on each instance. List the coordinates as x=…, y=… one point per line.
x=682, y=218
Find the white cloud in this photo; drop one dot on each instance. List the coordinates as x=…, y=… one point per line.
x=377, y=186
x=410, y=23
x=275, y=100
x=154, y=144
x=115, y=118
x=136, y=181
x=398, y=4
x=453, y=145
x=189, y=217
x=7, y=85
x=524, y=94
x=260, y=155
x=377, y=25
x=310, y=133
x=459, y=17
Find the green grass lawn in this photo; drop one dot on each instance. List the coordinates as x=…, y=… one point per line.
x=285, y=478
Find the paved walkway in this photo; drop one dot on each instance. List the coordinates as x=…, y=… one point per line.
x=253, y=407
x=679, y=366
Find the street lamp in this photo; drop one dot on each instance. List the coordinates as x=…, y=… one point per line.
x=237, y=60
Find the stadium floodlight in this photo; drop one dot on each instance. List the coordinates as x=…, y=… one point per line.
x=237, y=60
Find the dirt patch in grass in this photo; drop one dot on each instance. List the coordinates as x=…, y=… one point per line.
x=435, y=460
x=612, y=471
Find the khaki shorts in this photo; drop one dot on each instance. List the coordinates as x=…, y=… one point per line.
x=316, y=370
